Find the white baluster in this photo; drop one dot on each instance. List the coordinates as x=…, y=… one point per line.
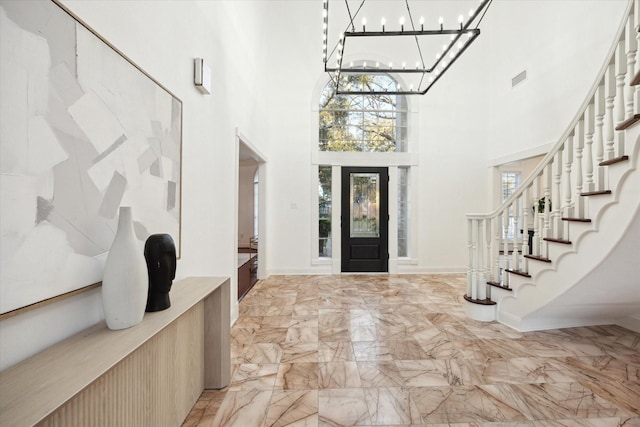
x=516, y=234
x=636, y=27
x=631, y=47
x=535, y=242
x=621, y=71
x=548, y=174
x=599, y=112
x=505, y=250
x=578, y=211
x=588, y=141
x=496, y=250
x=481, y=283
x=609, y=95
x=525, y=229
x=474, y=233
x=557, y=229
x=470, y=267
x=487, y=226
x=568, y=161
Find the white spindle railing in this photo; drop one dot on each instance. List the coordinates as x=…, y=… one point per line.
x=570, y=168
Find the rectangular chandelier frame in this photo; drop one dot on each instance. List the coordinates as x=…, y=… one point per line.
x=431, y=74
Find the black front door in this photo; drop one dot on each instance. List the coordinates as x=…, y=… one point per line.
x=365, y=219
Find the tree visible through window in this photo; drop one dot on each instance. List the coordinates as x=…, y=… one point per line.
x=371, y=123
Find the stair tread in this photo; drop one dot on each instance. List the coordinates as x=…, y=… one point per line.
x=497, y=285
x=576, y=219
x=480, y=301
x=628, y=122
x=538, y=258
x=636, y=79
x=596, y=193
x=563, y=241
x=614, y=161
x=518, y=272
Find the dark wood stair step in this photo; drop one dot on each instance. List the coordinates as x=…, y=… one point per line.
x=614, y=161
x=628, y=123
x=596, y=193
x=518, y=272
x=564, y=242
x=480, y=301
x=576, y=219
x=497, y=285
x=537, y=258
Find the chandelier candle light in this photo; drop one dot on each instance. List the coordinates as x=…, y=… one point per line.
x=460, y=39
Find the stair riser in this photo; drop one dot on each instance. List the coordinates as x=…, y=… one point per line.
x=515, y=282
x=576, y=229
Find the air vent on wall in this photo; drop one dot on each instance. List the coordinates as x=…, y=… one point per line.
x=519, y=78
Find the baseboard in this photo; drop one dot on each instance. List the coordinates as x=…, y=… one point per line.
x=323, y=269
x=632, y=323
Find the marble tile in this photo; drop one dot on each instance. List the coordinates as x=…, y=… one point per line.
x=243, y=409
x=297, y=376
x=262, y=353
x=390, y=406
x=519, y=370
x=398, y=350
x=297, y=408
x=431, y=373
x=299, y=352
x=338, y=375
x=625, y=395
x=302, y=335
x=380, y=374
x=269, y=334
x=303, y=321
x=406, y=350
x=334, y=334
x=251, y=376
x=335, y=352
x=465, y=404
x=565, y=400
x=343, y=407
x=371, y=350
x=276, y=321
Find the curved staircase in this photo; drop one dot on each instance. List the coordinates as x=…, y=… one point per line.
x=582, y=203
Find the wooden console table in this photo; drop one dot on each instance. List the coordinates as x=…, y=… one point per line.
x=147, y=375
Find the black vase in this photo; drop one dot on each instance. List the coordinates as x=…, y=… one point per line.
x=160, y=254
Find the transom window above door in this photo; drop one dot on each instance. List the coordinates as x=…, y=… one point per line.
x=365, y=123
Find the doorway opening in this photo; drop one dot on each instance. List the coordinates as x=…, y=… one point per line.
x=365, y=219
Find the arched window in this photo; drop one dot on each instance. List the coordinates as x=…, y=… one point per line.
x=369, y=123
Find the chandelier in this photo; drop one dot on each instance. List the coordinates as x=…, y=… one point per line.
x=352, y=77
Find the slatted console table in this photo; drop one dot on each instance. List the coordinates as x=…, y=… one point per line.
x=147, y=375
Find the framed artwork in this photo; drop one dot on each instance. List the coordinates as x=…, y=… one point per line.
x=83, y=131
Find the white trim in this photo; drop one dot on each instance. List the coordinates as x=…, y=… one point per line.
x=322, y=261
x=632, y=323
x=411, y=269
x=315, y=215
x=336, y=212
x=539, y=150
x=339, y=158
x=392, y=227
x=257, y=154
x=407, y=261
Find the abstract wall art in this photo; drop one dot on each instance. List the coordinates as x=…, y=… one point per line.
x=83, y=131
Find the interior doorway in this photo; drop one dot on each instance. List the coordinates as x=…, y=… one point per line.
x=250, y=213
x=365, y=219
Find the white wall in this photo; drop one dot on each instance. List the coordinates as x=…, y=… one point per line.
x=163, y=38
x=562, y=45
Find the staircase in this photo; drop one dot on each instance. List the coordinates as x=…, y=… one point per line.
x=582, y=204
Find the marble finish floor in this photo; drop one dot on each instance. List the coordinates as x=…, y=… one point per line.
x=378, y=350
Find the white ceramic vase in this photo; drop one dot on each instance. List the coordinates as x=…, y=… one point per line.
x=125, y=281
